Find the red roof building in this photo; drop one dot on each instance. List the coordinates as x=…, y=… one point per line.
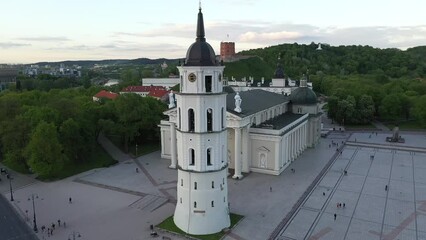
x=153, y=91
x=104, y=95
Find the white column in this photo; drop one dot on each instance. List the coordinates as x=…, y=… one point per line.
x=173, y=146
x=300, y=140
x=245, y=150
x=305, y=136
x=237, y=174
x=277, y=156
x=287, y=149
x=293, y=146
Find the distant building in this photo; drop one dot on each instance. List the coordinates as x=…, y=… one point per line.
x=163, y=82
x=104, y=95
x=60, y=71
x=280, y=83
x=157, y=92
x=7, y=76
x=227, y=50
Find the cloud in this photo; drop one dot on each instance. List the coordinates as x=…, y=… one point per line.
x=13, y=45
x=274, y=36
x=45, y=39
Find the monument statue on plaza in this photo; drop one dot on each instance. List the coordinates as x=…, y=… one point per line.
x=395, y=136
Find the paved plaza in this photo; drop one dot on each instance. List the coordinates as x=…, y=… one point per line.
x=383, y=192
x=120, y=203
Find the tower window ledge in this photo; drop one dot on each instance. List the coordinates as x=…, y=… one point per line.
x=199, y=211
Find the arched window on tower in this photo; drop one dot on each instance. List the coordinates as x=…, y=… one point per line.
x=212, y=203
x=191, y=120
x=191, y=157
x=195, y=185
x=223, y=118
x=209, y=156
x=195, y=204
x=209, y=120
x=208, y=84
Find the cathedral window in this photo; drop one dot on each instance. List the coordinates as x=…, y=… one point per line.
x=181, y=182
x=223, y=119
x=195, y=185
x=195, y=204
x=209, y=120
x=209, y=157
x=191, y=157
x=212, y=203
x=191, y=120
x=223, y=153
x=208, y=83
x=212, y=184
x=180, y=200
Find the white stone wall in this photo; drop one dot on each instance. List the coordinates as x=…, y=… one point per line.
x=201, y=195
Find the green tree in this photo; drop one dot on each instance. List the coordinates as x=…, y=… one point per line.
x=420, y=110
x=365, y=108
x=71, y=139
x=391, y=107
x=44, y=152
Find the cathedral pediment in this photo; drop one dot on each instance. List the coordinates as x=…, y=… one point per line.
x=264, y=149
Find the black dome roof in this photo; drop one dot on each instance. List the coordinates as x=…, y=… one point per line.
x=200, y=53
x=303, y=95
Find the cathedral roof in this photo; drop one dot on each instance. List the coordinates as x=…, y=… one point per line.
x=254, y=101
x=200, y=53
x=304, y=96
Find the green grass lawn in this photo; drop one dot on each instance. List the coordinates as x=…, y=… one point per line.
x=170, y=226
x=99, y=158
x=407, y=125
x=142, y=149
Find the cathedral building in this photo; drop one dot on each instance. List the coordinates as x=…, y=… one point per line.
x=265, y=131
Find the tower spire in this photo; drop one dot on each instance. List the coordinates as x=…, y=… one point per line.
x=200, y=27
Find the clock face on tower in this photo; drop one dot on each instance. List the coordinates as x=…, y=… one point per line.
x=192, y=77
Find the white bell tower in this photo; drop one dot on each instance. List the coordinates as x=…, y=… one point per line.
x=202, y=188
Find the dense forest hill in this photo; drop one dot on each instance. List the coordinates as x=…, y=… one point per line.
x=344, y=60
x=362, y=83
x=253, y=67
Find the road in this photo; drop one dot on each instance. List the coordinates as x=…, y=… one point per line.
x=11, y=225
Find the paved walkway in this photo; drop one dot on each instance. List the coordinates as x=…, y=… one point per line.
x=380, y=126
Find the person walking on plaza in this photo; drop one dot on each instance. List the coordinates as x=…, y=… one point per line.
x=70, y=200
x=335, y=216
x=59, y=222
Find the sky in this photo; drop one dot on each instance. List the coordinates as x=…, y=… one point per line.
x=56, y=30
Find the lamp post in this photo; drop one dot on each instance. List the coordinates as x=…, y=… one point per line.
x=136, y=149
x=10, y=185
x=74, y=234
